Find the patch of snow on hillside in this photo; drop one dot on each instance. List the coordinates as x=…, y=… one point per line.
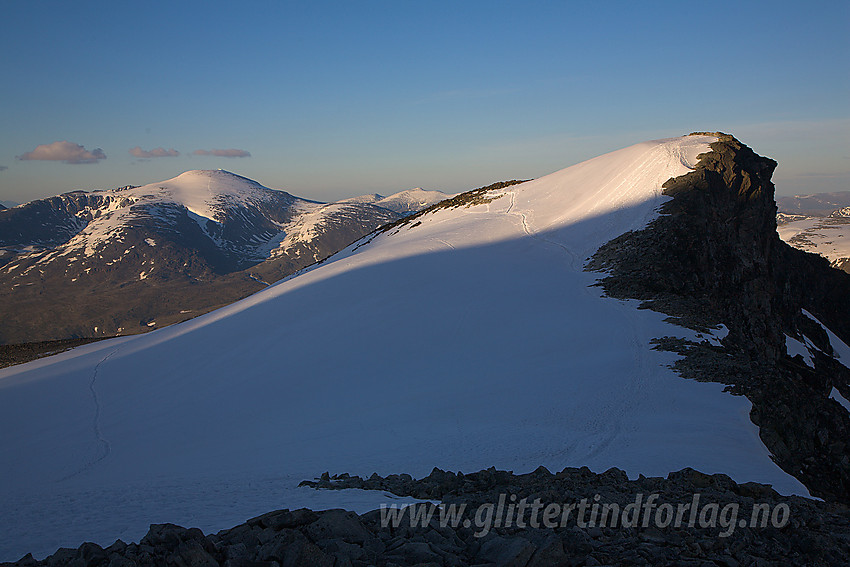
x=714, y=337
x=841, y=350
x=795, y=347
x=308, y=225
x=97, y=233
x=836, y=395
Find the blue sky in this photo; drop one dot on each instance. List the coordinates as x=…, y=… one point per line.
x=335, y=99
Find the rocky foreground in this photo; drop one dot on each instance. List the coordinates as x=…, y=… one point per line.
x=716, y=526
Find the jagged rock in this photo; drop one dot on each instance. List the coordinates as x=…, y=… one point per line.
x=414, y=552
x=284, y=519
x=550, y=552
x=338, y=524
x=513, y=552
x=817, y=533
x=169, y=534
x=714, y=257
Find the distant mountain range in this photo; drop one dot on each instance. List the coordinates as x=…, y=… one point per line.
x=818, y=223
x=123, y=261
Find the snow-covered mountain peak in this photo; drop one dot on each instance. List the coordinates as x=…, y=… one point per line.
x=205, y=192
x=219, y=181
x=412, y=200
x=581, y=206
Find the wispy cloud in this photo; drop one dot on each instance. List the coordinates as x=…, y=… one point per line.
x=3, y=168
x=156, y=152
x=222, y=153
x=67, y=152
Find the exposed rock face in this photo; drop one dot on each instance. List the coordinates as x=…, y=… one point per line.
x=814, y=533
x=713, y=257
x=49, y=222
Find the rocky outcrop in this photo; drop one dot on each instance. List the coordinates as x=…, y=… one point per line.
x=713, y=257
x=18, y=354
x=52, y=221
x=814, y=533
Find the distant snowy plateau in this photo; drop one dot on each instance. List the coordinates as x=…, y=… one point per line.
x=470, y=338
x=818, y=223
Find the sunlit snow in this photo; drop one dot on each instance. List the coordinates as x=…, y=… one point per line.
x=472, y=339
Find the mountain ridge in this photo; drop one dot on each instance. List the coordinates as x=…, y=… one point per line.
x=714, y=257
x=469, y=337
x=155, y=254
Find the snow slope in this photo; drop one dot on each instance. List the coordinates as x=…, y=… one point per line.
x=205, y=192
x=817, y=223
x=403, y=202
x=827, y=236
x=467, y=339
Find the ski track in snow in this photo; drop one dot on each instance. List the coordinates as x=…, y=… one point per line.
x=619, y=405
x=103, y=445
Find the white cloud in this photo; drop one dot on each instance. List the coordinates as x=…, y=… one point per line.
x=156, y=152
x=64, y=151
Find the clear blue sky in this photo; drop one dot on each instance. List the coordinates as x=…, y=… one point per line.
x=335, y=99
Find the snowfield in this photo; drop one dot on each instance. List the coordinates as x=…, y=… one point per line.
x=471, y=339
x=827, y=236
x=404, y=202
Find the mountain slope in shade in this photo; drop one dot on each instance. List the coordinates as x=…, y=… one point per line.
x=126, y=260
x=468, y=337
x=819, y=224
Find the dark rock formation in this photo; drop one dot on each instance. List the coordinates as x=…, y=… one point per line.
x=713, y=257
x=812, y=533
x=18, y=354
